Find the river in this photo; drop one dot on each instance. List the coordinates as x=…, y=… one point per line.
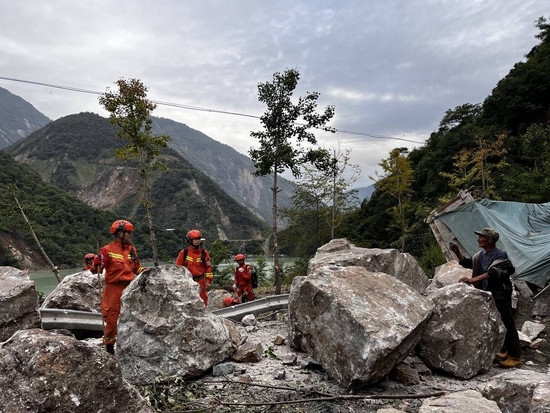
x=45, y=280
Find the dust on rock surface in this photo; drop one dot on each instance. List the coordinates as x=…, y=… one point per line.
x=257, y=382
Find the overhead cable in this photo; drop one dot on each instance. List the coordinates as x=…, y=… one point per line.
x=197, y=108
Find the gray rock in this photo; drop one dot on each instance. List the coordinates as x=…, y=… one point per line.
x=447, y=274
x=279, y=374
x=249, y=320
x=18, y=302
x=222, y=369
x=309, y=364
x=532, y=329
x=215, y=298
x=249, y=352
x=81, y=291
x=460, y=402
x=403, y=266
x=513, y=390
x=464, y=333
x=289, y=359
x=540, y=403
x=46, y=372
x=165, y=329
x=541, y=309
x=356, y=323
x=405, y=374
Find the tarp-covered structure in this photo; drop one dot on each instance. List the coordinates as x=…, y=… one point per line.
x=524, y=233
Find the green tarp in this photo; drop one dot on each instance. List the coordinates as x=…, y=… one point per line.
x=524, y=233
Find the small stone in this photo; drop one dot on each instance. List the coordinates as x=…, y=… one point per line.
x=289, y=359
x=523, y=339
x=222, y=369
x=249, y=320
x=251, y=329
x=279, y=340
x=279, y=374
x=248, y=353
x=310, y=364
x=537, y=343
x=244, y=379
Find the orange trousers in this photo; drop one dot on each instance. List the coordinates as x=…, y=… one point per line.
x=246, y=288
x=203, y=284
x=110, y=308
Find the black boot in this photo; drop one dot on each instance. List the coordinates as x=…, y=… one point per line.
x=110, y=348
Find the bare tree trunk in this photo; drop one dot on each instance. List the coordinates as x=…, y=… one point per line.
x=53, y=267
x=276, y=266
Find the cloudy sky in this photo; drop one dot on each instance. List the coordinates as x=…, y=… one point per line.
x=391, y=68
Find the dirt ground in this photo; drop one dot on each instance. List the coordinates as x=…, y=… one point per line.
x=262, y=387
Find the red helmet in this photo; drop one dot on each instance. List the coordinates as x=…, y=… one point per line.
x=191, y=235
x=88, y=257
x=123, y=225
x=239, y=257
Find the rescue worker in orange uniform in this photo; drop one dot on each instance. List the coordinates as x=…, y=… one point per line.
x=243, y=280
x=197, y=261
x=121, y=264
x=89, y=261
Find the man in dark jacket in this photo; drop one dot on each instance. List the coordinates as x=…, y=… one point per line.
x=491, y=271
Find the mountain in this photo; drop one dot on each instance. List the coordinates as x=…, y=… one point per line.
x=18, y=118
x=66, y=227
x=232, y=171
x=76, y=153
x=364, y=192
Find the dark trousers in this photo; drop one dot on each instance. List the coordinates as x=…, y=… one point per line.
x=511, y=342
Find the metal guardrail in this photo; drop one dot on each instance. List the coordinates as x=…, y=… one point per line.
x=259, y=306
x=55, y=318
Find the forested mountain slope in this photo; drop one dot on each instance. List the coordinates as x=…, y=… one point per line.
x=232, y=171
x=76, y=153
x=501, y=146
x=66, y=227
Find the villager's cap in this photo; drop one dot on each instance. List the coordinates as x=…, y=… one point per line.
x=489, y=232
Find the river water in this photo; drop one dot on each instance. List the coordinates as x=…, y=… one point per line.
x=45, y=280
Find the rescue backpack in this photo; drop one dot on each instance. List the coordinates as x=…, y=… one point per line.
x=253, y=275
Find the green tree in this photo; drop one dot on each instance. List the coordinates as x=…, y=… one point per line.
x=475, y=166
x=286, y=144
x=342, y=175
x=396, y=181
x=130, y=110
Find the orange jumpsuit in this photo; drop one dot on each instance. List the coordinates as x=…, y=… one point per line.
x=121, y=267
x=200, y=271
x=243, y=281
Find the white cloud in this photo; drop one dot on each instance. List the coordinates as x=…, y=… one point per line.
x=390, y=68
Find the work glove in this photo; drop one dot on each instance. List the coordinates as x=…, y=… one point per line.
x=97, y=260
x=234, y=288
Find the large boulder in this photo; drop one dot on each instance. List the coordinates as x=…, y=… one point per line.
x=41, y=371
x=215, y=298
x=356, y=323
x=165, y=329
x=81, y=291
x=514, y=390
x=447, y=274
x=464, y=333
x=18, y=302
x=342, y=253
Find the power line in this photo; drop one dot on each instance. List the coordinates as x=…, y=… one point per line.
x=197, y=108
